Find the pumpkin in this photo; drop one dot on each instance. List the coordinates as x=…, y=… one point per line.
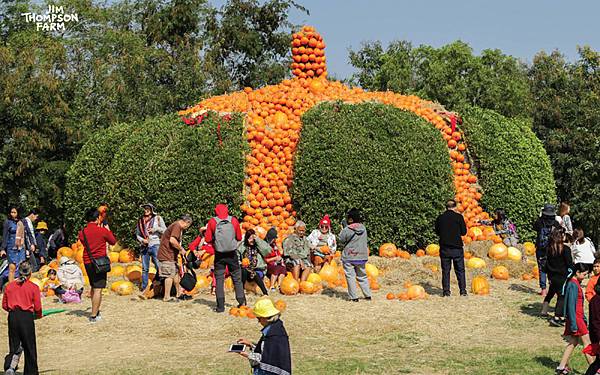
x=202, y=282
x=480, y=285
x=250, y=314
x=306, y=287
x=133, y=273
x=114, y=257
x=433, y=268
x=498, y=251
x=234, y=311
x=64, y=252
x=126, y=256
x=289, y=286
x=372, y=271
x=416, y=292
x=536, y=272
x=476, y=232
x=152, y=272
x=514, y=254
x=280, y=305
x=476, y=263
x=387, y=250
x=373, y=284
x=53, y=264
x=433, y=250
x=314, y=278
x=117, y=271
x=404, y=254
x=325, y=250
x=403, y=296
x=468, y=255
x=390, y=296
x=407, y=284
x=115, y=286
x=500, y=273
x=420, y=253
x=79, y=256
x=527, y=276
x=125, y=288
x=529, y=248
x=245, y=262
x=328, y=273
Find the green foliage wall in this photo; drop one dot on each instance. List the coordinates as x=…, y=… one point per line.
x=513, y=167
x=178, y=168
x=389, y=163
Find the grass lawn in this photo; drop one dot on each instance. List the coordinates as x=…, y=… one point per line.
x=497, y=334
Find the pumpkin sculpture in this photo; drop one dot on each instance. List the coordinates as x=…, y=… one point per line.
x=273, y=129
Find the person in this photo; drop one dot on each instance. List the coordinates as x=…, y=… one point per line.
x=503, y=227
x=40, y=239
x=148, y=231
x=576, y=330
x=297, y=252
x=322, y=243
x=29, y=238
x=57, y=240
x=450, y=226
x=254, y=250
x=355, y=253
x=51, y=284
x=197, y=244
x=563, y=217
x=70, y=278
x=95, y=238
x=168, y=254
x=559, y=263
x=590, y=289
x=23, y=302
x=271, y=355
x=12, y=242
x=543, y=226
x=594, y=328
x=583, y=248
x=276, y=270
x=223, y=233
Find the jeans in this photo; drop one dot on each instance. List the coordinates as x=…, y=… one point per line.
x=147, y=253
x=354, y=273
x=459, y=269
x=538, y=255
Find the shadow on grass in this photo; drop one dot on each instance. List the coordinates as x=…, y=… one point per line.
x=546, y=362
x=334, y=293
x=432, y=289
x=212, y=304
x=79, y=313
x=532, y=309
x=522, y=288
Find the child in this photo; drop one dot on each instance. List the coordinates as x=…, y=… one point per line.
x=353, y=239
x=22, y=301
x=276, y=269
x=576, y=330
x=590, y=290
x=594, y=327
x=49, y=288
x=322, y=243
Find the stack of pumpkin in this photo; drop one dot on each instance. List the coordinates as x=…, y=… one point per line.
x=413, y=292
x=308, y=54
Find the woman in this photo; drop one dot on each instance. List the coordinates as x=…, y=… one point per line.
x=354, y=241
x=563, y=217
x=252, y=252
x=276, y=269
x=13, y=242
x=543, y=226
x=558, y=264
x=271, y=355
x=583, y=249
x=322, y=243
x=504, y=228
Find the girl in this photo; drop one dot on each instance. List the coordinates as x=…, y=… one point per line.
x=271, y=355
x=49, y=288
x=583, y=249
x=504, y=228
x=13, y=242
x=254, y=250
x=563, y=217
x=576, y=330
x=322, y=243
x=275, y=266
x=558, y=264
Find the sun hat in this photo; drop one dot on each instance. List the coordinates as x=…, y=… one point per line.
x=150, y=206
x=549, y=210
x=264, y=308
x=41, y=225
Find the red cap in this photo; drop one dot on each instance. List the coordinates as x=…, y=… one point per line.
x=325, y=221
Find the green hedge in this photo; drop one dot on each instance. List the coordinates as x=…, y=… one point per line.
x=391, y=164
x=513, y=167
x=178, y=168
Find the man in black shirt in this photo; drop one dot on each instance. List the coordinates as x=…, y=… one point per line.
x=450, y=226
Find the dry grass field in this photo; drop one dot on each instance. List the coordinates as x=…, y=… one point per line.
x=496, y=334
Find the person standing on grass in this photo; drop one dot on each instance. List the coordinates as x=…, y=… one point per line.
x=97, y=238
x=450, y=226
x=590, y=289
x=224, y=233
x=576, y=330
x=583, y=249
x=22, y=300
x=29, y=238
x=559, y=264
x=355, y=254
x=543, y=226
x=12, y=242
x=168, y=253
x=563, y=217
x=148, y=231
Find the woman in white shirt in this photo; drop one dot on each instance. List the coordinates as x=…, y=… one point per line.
x=583, y=249
x=564, y=219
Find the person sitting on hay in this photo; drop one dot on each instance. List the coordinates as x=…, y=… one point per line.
x=297, y=252
x=322, y=243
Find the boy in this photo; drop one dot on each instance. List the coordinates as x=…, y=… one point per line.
x=589, y=290
x=22, y=301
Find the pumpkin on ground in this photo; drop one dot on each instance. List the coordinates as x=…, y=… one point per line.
x=289, y=286
x=527, y=276
x=514, y=254
x=371, y=270
x=126, y=256
x=387, y=250
x=498, y=251
x=328, y=273
x=476, y=263
x=115, y=286
x=403, y=296
x=125, y=288
x=133, y=273
x=529, y=248
x=117, y=271
x=280, y=305
x=420, y=253
x=114, y=257
x=500, y=273
x=306, y=287
x=390, y=296
x=416, y=292
x=64, y=252
x=480, y=285
x=314, y=278
x=433, y=250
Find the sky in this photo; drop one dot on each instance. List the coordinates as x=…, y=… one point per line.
x=517, y=27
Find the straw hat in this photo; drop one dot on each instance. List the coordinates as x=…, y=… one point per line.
x=42, y=226
x=264, y=308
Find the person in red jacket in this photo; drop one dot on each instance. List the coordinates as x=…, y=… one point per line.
x=22, y=301
x=223, y=232
x=97, y=237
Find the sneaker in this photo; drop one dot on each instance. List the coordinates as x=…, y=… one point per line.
x=368, y=298
x=354, y=300
x=95, y=319
x=556, y=322
x=219, y=310
x=562, y=371
x=9, y=372
x=463, y=294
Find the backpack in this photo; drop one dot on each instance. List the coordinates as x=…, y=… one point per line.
x=544, y=237
x=225, y=240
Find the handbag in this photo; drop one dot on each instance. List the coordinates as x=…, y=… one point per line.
x=101, y=264
x=188, y=280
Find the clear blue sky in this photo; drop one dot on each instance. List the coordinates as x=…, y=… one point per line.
x=517, y=27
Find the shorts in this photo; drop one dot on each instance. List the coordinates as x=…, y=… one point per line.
x=16, y=256
x=167, y=269
x=97, y=280
x=303, y=263
x=276, y=269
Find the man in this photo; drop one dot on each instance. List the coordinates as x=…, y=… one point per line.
x=94, y=238
x=148, y=231
x=450, y=226
x=29, y=238
x=223, y=232
x=543, y=226
x=168, y=253
x=296, y=249
x=57, y=240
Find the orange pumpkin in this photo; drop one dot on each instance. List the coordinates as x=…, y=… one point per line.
x=306, y=287
x=387, y=250
x=280, y=305
x=390, y=296
x=500, y=273
x=416, y=292
x=114, y=256
x=126, y=256
x=403, y=296
x=420, y=253
x=433, y=250
x=480, y=285
x=289, y=286
x=527, y=276
x=498, y=251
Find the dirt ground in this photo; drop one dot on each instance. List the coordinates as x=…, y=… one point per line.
x=328, y=334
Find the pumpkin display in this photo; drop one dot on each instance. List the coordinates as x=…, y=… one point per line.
x=433, y=250
x=280, y=305
x=133, y=273
x=480, y=285
x=114, y=256
x=64, y=252
x=115, y=286
x=476, y=263
x=498, y=251
x=416, y=292
x=500, y=273
x=289, y=286
x=372, y=271
x=125, y=288
x=387, y=250
x=514, y=254
x=529, y=248
x=126, y=256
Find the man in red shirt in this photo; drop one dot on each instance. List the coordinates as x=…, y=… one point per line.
x=223, y=232
x=22, y=301
x=97, y=237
